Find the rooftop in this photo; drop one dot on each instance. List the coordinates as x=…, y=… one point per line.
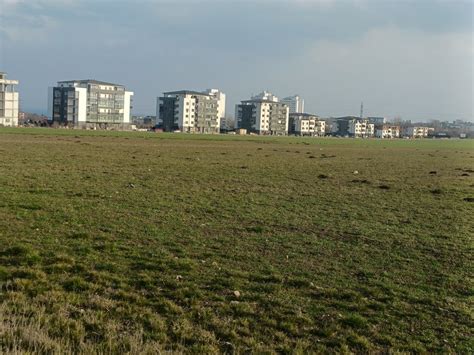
x=89, y=81
x=262, y=100
x=293, y=114
x=185, y=92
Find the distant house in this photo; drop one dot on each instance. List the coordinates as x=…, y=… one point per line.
x=304, y=124
x=387, y=131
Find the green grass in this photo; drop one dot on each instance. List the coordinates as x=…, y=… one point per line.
x=113, y=242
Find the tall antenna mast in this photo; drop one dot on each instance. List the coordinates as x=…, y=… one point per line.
x=361, y=109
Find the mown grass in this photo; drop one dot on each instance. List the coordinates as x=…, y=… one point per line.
x=114, y=242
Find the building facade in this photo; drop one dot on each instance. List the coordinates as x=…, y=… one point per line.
x=361, y=129
x=220, y=97
x=294, y=103
x=387, y=131
x=416, y=132
x=89, y=104
x=190, y=111
x=353, y=127
x=9, y=101
x=263, y=114
x=304, y=124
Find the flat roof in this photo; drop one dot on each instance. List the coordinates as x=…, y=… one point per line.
x=89, y=81
x=263, y=100
x=303, y=114
x=185, y=92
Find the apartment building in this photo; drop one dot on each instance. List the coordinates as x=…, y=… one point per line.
x=387, y=131
x=295, y=103
x=416, y=132
x=9, y=101
x=220, y=97
x=361, y=128
x=263, y=114
x=190, y=111
x=89, y=104
x=304, y=124
x=352, y=126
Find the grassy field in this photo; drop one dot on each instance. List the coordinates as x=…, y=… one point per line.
x=113, y=242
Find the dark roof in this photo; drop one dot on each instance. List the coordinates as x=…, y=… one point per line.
x=262, y=100
x=348, y=118
x=303, y=114
x=90, y=81
x=185, y=92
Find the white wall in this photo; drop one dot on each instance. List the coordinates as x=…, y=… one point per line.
x=126, y=106
x=81, y=93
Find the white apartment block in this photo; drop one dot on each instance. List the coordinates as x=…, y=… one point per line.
x=295, y=103
x=306, y=125
x=361, y=128
x=262, y=115
x=9, y=101
x=416, y=132
x=387, y=131
x=89, y=104
x=190, y=111
x=220, y=97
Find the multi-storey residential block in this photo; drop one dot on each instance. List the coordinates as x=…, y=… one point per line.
x=220, y=96
x=361, y=128
x=262, y=115
x=387, y=131
x=352, y=126
x=190, y=111
x=295, y=103
x=305, y=124
x=416, y=132
x=9, y=100
x=90, y=104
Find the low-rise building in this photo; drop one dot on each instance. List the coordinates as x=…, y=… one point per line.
x=262, y=115
x=89, y=104
x=9, y=101
x=387, y=131
x=416, y=132
x=305, y=124
x=190, y=111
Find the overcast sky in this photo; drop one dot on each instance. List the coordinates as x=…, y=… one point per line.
x=407, y=58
